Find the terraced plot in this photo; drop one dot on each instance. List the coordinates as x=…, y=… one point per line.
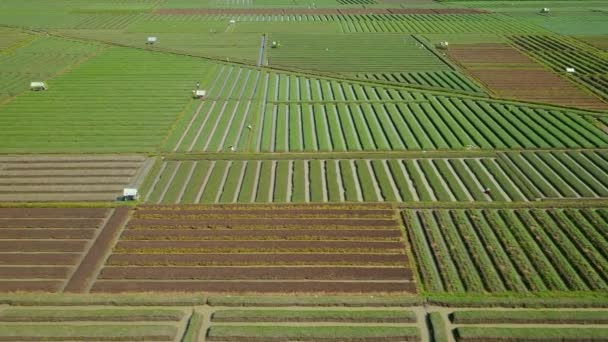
x=69, y=178
x=260, y=250
x=137, y=97
x=42, y=248
x=509, y=250
x=511, y=74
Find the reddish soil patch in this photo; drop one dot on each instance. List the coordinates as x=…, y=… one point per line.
x=256, y=259
x=47, y=233
x=42, y=246
x=261, y=222
x=52, y=213
x=50, y=223
x=38, y=259
x=83, y=277
x=34, y=272
x=253, y=287
x=260, y=234
x=235, y=246
x=262, y=273
x=30, y=286
x=511, y=74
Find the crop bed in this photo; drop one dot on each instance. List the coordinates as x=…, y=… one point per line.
x=260, y=250
x=503, y=250
x=68, y=178
x=41, y=248
x=511, y=74
x=560, y=53
x=445, y=80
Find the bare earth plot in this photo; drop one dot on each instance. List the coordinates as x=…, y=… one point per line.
x=242, y=249
x=68, y=178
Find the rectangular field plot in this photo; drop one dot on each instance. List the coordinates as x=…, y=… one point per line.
x=41, y=248
x=445, y=80
x=507, y=250
x=69, y=178
x=352, y=53
x=511, y=74
x=30, y=58
x=87, y=324
x=122, y=100
x=260, y=250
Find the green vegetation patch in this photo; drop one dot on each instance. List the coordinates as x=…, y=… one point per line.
x=527, y=316
x=308, y=333
x=438, y=327
x=377, y=316
x=314, y=300
x=21, y=314
x=88, y=332
x=536, y=334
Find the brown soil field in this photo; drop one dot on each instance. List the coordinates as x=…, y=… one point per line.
x=315, y=11
x=50, y=223
x=278, y=212
x=259, y=273
x=52, y=213
x=281, y=222
x=278, y=287
x=88, y=268
x=46, y=233
x=236, y=246
x=34, y=272
x=511, y=74
x=66, y=178
x=255, y=259
x=30, y=285
x=42, y=246
x=260, y=234
x=59, y=259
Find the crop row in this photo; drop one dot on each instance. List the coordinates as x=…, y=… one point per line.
x=457, y=179
x=222, y=119
x=39, y=60
x=447, y=80
x=560, y=53
x=559, y=174
x=352, y=53
x=337, y=116
x=120, y=100
x=509, y=250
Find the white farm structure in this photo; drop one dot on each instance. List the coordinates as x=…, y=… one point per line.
x=199, y=94
x=38, y=86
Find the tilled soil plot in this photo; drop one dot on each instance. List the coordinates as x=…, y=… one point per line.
x=511, y=74
x=248, y=249
x=41, y=247
x=67, y=178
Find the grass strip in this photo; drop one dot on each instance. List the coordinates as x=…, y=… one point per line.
x=88, y=332
x=20, y=314
x=438, y=328
x=524, y=316
x=193, y=331
x=312, y=332
x=571, y=299
x=362, y=316
x=353, y=301
x=529, y=334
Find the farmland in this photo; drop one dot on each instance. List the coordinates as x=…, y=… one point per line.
x=327, y=170
x=69, y=178
x=190, y=248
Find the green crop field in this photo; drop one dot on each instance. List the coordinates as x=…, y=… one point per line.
x=310, y=170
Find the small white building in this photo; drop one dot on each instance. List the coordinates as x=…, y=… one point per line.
x=443, y=45
x=232, y=21
x=199, y=93
x=151, y=40
x=570, y=70
x=38, y=85
x=130, y=194
x=545, y=10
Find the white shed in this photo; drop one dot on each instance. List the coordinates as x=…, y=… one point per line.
x=233, y=21
x=199, y=93
x=38, y=85
x=545, y=10
x=443, y=45
x=570, y=70
x=151, y=40
x=130, y=194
